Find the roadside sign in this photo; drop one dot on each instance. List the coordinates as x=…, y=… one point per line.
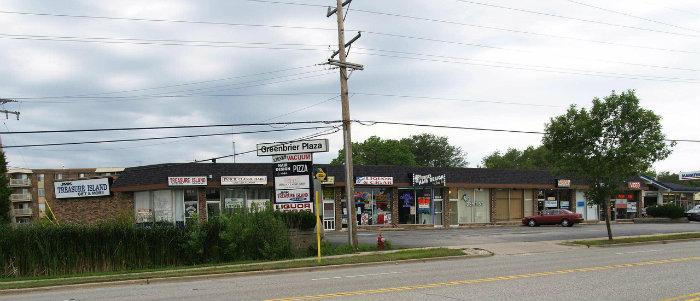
x=293, y=147
x=307, y=157
x=689, y=175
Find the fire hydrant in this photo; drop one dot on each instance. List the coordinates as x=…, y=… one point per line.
x=380, y=242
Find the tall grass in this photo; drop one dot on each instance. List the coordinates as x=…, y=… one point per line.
x=44, y=249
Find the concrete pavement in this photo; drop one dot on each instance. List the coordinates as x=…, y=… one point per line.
x=642, y=272
x=503, y=234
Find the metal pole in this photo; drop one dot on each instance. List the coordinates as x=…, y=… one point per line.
x=347, y=140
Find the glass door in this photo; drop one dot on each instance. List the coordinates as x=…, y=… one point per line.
x=437, y=207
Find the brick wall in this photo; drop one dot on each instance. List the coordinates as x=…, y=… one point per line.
x=92, y=209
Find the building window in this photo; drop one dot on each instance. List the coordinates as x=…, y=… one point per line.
x=373, y=206
x=59, y=176
x=41, y=192
x=40, y=177
x=191, y=200
x=82, y=175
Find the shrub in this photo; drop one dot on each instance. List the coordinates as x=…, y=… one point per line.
x=666, y=210
x=253, y=235
x=301, y=220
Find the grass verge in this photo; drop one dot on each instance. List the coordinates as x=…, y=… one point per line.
x=637, y=239
x=35, y=282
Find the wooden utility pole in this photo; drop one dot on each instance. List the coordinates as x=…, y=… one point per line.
x=343, y=65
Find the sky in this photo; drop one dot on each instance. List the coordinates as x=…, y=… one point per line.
x=487, y=64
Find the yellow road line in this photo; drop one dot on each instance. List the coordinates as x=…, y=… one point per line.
x=494, y=279
x=684, y=297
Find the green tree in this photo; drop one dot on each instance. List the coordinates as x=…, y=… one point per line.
x=669, y=177
x=615, y=140
x=435, y=151
x=5, y=205
x=417, y=150
x=377, y=151
x=530, y=158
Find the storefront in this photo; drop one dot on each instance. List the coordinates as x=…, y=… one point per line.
x=422, y=203
x=469, y=206
x=373, y=197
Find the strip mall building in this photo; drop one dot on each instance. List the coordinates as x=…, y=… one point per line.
x=385, y=196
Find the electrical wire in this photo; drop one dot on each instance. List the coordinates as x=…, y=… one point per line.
x=171, y=127
x=175, y=85
x=319, y=134
x=576, y=19
x=161, y=138
x=334, y=29
x=373, y=122
x=630, y=15
x=529, y=65
x=640, y=77
x=102, y=99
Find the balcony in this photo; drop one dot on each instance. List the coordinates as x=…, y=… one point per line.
x=21, y=197
x=22, y=212
x=20, y=182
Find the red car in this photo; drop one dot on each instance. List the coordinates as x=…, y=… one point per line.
x=552, y=217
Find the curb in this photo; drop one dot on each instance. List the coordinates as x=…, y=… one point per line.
x=652, y=242
x=176, y=279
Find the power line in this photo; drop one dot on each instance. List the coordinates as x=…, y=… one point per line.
x=161, y=20
x=165, y=137
x=631, y=76
x=319, y=134
x=527, y=65
x=456, y=99
x=133, y=41
x=631, y=15
x=172, y=127
x=576, y=19
x=484, y=27
x=521, y=50
x=167, y=96
x=333, y=29
x=176, y=85
x=372, y=122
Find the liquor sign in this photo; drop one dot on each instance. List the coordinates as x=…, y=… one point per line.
x=429, y=180
x=292, y=169
x=634, y=185
x=374, y=180
x=243, y=180
x=293, y=196
x=292, y=182
x=689, y=175
x=308, y=207
x=81, y=188
x=293, y=147
x=187, y=181
x=292, y=158
x=563, y=183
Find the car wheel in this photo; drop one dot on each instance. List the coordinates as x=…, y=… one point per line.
x=532, y=223
x=566, y=223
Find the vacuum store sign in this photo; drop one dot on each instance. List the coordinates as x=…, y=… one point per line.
x=294, y=147
x=81, y=188
x=187, y=181
x=689, y=175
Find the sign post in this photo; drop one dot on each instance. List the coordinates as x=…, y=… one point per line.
x=318, y=229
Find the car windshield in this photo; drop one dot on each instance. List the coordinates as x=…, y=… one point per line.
x=564, y=211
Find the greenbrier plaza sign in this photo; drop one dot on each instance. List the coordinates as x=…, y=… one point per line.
x=293, y=147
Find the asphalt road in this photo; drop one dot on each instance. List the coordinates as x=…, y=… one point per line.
x=643, y=272
x=502, y=234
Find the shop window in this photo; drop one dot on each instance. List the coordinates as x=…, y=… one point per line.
x=40, y=177
x=373, y=206
x=41, y=192
x=473, y=206
x=82, y=175
x=191, y=201
x=257, y=198
x=59, y=176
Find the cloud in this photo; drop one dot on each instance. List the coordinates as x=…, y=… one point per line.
x=44, y=68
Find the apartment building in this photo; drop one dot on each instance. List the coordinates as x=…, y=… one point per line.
x=32, y=189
